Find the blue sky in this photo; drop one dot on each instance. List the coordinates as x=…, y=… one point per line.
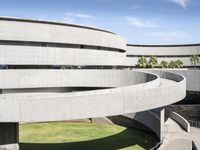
x=139, y=21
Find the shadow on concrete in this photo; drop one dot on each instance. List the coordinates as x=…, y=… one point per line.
x=124, y=139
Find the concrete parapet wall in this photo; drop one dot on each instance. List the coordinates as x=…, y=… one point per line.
x=149, y=119
x=20, y=30
x=180, y=120
x=13, y=79
x=192, y=76
x=109, y=102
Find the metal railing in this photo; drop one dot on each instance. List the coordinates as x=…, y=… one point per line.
x=195, y=124
x=157, y=146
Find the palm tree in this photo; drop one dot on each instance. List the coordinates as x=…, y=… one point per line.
x=172, y=64
x=175, y=64
x=178, y=64
x=142, y=62
x=194, y=60
x=163, y=64
x=153, y=62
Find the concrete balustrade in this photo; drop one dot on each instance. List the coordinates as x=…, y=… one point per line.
x=180, y=120
x=192, y=76
x=149, y=119
x=98, y=103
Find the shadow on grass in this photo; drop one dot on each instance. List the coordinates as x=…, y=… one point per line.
x=124, y=139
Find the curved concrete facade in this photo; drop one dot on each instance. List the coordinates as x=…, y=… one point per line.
x=109, y=102
x=192, y=76
x=163, y=52
x=30, y=30
x=33, y=89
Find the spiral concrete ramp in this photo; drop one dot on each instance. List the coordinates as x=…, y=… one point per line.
x=54, y=71
x=126, y=92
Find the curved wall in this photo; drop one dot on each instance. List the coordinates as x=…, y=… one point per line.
x=33, y=30
x=54, y=43
x=192, y=76
x=149, y=119
x=21, y=79
x=43, y=94
x=108, y=102
x=129, y=89
x=163, y=52
x=12, y=55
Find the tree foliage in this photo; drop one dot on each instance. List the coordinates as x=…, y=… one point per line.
x=153, y=62
x=142, y=62
x=175, y=64
x=163, y=64
x=194, y=60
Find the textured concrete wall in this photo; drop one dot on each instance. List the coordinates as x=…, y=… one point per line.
x=44, y=32
x=32, y=55
x=151, y=120
x=163, y=51
x=132, y=61
x=98, y=103
x=192, y=76
x=180, y=120
x=129, y=92
x=13, y=79
x=189, y=112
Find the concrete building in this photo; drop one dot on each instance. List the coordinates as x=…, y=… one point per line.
x=54, y=71
x=164, y=52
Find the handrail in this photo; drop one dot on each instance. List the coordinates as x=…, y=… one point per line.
x=157, y=146
x=195, y=124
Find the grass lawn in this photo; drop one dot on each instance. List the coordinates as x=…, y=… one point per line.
x=82, y=136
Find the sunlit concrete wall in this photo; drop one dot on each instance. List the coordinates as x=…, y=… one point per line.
x=108, y=102
x=192, y=76
x=32, y=55
x=33, y=30
x=122, y=91
x=172, y=52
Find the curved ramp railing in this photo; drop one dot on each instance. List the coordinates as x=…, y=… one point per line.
x=89, y=104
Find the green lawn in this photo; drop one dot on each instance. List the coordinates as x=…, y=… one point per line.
x=82, y=136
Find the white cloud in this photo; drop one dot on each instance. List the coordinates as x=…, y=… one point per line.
x=78, y=18
x=170, y=35
x=182, y=3
x=78, y=15
x=140, y=23
x=135, y=7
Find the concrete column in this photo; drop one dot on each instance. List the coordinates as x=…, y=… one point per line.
x=9, y=136
x=162, y=123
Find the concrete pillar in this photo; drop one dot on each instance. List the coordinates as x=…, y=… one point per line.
x=162, y=123
x=9, y=136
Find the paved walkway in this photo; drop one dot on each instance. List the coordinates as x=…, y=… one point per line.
x=178, y=139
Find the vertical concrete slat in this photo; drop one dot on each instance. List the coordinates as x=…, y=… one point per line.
x=162, y=123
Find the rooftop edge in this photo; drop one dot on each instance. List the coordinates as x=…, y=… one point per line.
x=51, y=22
